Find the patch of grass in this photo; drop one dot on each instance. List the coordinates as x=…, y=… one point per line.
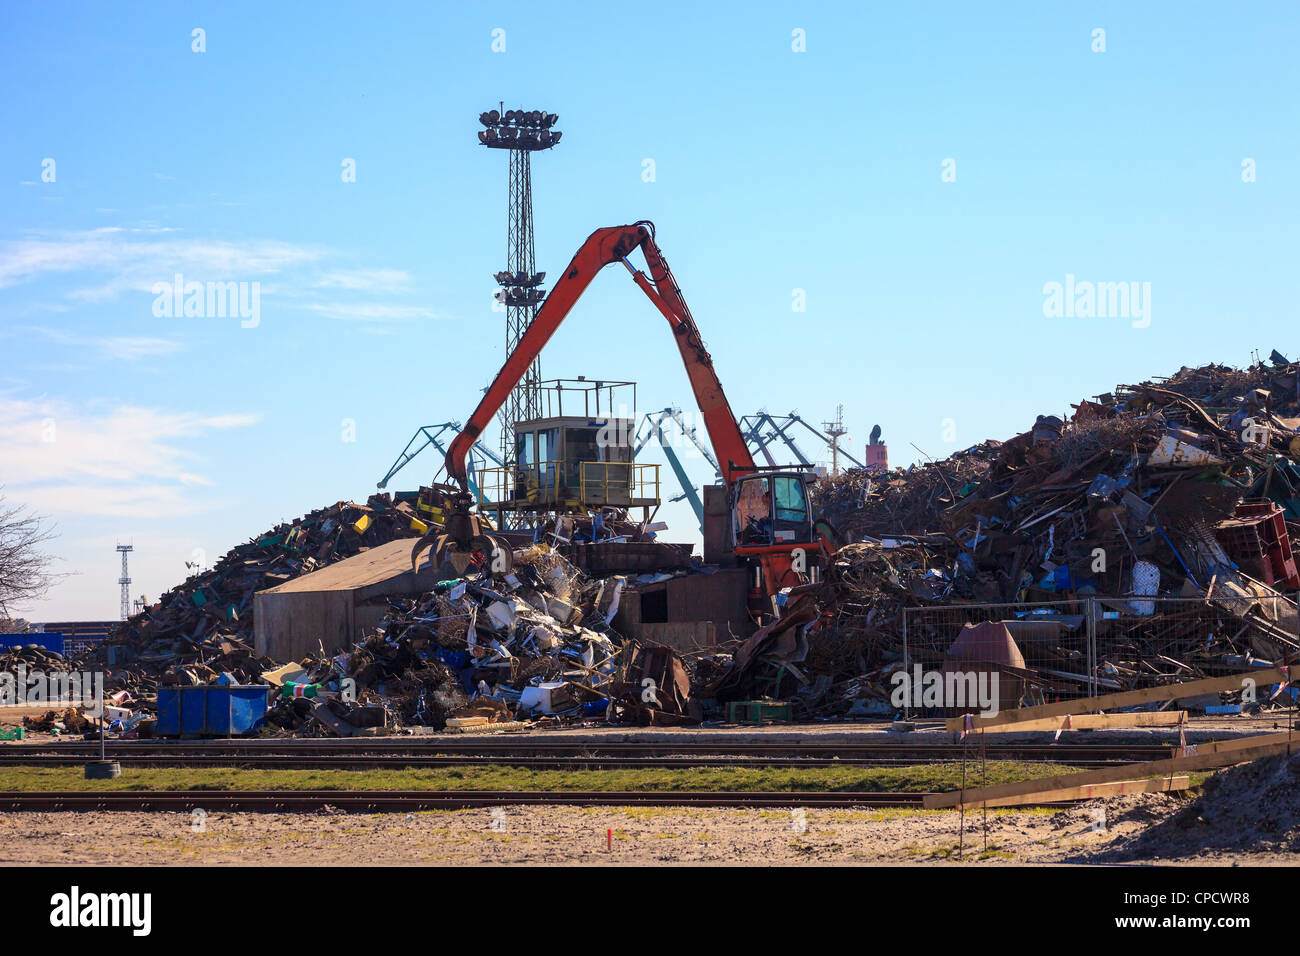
x=1047, y=811
x=646, y=813
x=876, y=816
x=914, y=779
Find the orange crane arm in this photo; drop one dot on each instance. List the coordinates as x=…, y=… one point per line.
x=604, y=246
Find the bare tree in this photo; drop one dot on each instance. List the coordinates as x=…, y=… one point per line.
x=25, y=573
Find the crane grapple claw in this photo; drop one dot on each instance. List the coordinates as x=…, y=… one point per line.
x=465, y=540
x=485, y=551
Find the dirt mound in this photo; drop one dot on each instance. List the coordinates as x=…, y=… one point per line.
x=1107, y=813
x=1254, y=808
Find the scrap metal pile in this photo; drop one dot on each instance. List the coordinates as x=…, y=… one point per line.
x=204, y=626
x=1142, y=539
x=479, y=649
x=860, y=503
x=1186, y=488
x=532, y=645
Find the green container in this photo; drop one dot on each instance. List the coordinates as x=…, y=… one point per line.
x=758, y=712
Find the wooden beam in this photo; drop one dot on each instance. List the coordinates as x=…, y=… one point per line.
x=1086, y=792
x=1148, y=768
x=1127, y=698
x=1241, y=743
x=1162, y=718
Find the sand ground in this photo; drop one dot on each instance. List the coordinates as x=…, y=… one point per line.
x=576, y=835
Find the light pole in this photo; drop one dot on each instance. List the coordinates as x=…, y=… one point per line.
x=522, y=132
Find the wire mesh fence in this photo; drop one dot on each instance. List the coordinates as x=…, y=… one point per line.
x=76, y=646
x=1049, y=651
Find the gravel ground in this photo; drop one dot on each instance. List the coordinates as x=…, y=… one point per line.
x=1251, y=808
x=560, y=835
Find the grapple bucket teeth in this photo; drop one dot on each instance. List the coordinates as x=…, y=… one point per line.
x=484, y=551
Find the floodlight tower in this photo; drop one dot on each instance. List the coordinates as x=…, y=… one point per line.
x=522, y=132
x=125, y=581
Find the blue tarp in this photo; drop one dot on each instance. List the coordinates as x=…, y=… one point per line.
x=50, y=640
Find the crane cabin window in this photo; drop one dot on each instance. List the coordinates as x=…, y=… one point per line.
x=791, y=503
x=790, y=521
x=753, y=515
x=525, y=479
x=547, y=452
x=580, y=445
x=524, y=449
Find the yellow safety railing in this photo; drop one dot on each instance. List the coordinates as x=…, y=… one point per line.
x=570, y=484
x=617, y=483
x=520, y=486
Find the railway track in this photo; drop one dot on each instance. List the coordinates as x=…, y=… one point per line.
x=392, y=754
x=413, y=800
x=363, y=762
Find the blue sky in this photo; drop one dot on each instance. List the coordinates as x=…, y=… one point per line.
x=774, y=171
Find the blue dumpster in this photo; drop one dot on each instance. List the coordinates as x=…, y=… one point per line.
x=169, y=712
x=194, y=711
x=218, y=710
x=236, y=709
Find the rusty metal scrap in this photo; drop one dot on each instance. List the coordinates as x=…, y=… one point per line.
x=1193, y=481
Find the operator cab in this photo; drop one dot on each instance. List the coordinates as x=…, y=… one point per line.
x=574, y=455
x=772, y=509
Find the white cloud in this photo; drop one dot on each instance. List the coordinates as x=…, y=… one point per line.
x=135, y=264
x=106, y=263
x=122, y=462
x=131, y=348
x=138, y=501
x=365, y=279
x=125, y=347
x=371, y=311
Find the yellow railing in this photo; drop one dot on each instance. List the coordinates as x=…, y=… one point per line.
x=570, y=484
x=617, y=482
x=522, y=485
